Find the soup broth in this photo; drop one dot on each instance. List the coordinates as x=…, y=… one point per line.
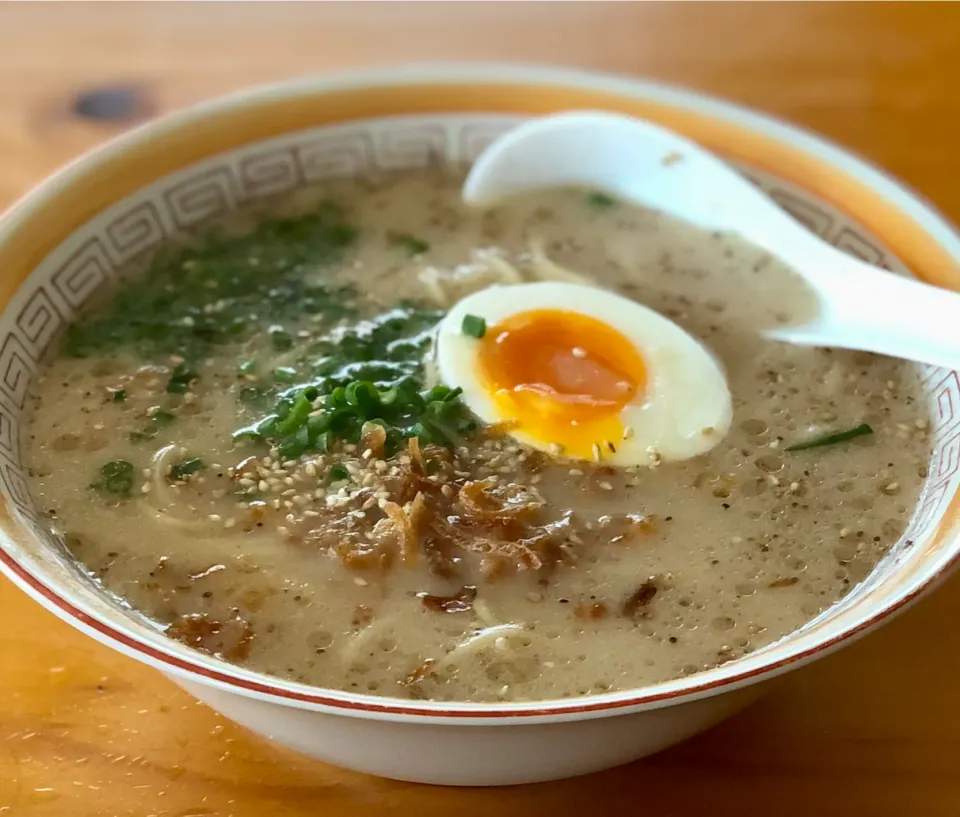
x=203, y=441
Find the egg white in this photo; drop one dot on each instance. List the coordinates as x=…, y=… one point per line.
x=683, y=410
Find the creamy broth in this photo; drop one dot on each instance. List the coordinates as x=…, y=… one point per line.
x=521, y=576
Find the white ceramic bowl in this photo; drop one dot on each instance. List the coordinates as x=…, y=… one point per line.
x=67, y=238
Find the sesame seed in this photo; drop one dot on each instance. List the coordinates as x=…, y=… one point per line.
x=145, y=488
x=311, y=469
x=610, y=446
x=579, y=352
x=628, y=432
x=215, y=517
x=597, y=453
x=229, y=523
x=283, y=531
x=606, y=486
x=263, y=486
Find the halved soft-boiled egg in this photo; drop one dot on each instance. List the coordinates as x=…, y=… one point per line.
x=573, y=368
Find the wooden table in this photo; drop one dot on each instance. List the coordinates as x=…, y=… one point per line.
x=872, y=731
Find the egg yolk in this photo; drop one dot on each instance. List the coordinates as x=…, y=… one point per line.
x=562, y=377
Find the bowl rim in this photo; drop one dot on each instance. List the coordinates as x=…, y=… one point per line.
x=198, y=668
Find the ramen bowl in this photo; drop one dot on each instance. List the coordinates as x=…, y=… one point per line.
x=67, y=239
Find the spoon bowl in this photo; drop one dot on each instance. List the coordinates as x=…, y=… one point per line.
x=859, y=306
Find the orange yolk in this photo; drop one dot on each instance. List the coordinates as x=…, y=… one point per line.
x=562, y=377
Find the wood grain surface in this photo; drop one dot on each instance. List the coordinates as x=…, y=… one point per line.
x=869, y=732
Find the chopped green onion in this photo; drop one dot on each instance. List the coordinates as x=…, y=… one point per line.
x=280, y=340
x=364, y=396
x=337, y=473
x=117, y=395
x=181, y=470
x=222, y=288
x=412, y=244
x=116, y=478
x=292, y=446
x=473, y=326
x=298, y=413
x=285, y=374
x=601, y=201
x=371, y=372
x=831, y=439
x=151, y=429
x=247, y=367
x=180, y=380
x=247, y=435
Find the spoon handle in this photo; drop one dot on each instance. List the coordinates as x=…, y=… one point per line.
x=863, y=307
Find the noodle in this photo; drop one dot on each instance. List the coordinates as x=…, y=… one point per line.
x=162, y=496
x=543, y=269
x=479, y=641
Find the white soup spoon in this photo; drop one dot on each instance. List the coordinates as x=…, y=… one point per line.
x=860, y=306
